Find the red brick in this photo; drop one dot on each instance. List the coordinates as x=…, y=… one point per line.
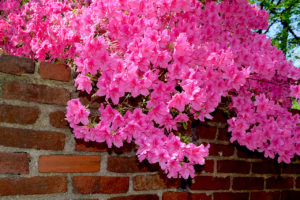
x=37, y=93
x=298, y=182
x=223, y=134
x=184, y=196
x=210, y=183
x=57, y=119
x=129, y=165
x=280, y=182
x=16, y=65
x=68, y=163
x=243, y=152
x=100, y=184
x=54, y=71
x=206, y=132
x=219, y=116
x=14, y=163
x=137, y=197
x=291, y=169
x=93, y=102
x=269, y=167
x=221, y=149
x=81, y=145
x=290, y=195
x=11, y=114
x=233, y=166
x=248, y=183
x=265, y=195
x=33, y=185
x=208, y=167
x=24, y=138
x=154, y=182
x=231, y=196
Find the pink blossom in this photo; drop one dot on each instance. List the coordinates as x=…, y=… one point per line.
x=295, y=91
x=83, y=83
x=162, y=62
x=77, y=113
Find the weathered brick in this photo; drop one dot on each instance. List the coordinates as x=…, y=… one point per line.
x=223, y=134
x=33, y=92
x=221, y=149
x=57, y=119
x=16, y=65
x=231, y=196
x=11, y=114
x=93, y=102
x=280, y=182
x=206, y=132
x=248, y=183
x=14, y=163
x=233, y=166
x=154, y=182
x=185, y=196
x=219, y=116
x=290, y=195
x=137, y=197
x=265, y=195
x=269, y=167
x=24, y=138
x=298, y=182
x=210, y=183
x=33, y=185
x=55, y=71
x=208, y=167
x=68, y=163
x=100, y=184
x=243, y=152
x=291, y=169
x=81, y=145
x=123, y=164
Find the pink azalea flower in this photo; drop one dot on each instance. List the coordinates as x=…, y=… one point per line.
x=83, y=83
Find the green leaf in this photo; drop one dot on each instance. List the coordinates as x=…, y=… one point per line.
x=184, y=125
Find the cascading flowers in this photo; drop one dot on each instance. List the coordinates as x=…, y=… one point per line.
x=175, y=59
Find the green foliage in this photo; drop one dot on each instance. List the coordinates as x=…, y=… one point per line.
x=296, y=105
x=23, y=2
x=184, y=138
x=284, y=23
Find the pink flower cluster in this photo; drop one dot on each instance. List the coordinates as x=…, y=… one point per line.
x=176, y=59
x=136, y=126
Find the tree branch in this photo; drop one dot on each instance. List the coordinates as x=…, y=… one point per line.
x=269, y=82
x=270, y=26
x=292, y=32
x=278, y=2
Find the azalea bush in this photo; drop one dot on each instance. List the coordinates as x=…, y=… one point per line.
x=176, y=60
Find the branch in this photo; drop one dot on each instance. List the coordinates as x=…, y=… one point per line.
x=292, y=32
x=269, y=82
x=292, y=4
x=270, y=26
x=278, y=2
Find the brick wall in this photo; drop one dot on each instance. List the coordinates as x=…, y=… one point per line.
x=40, y=159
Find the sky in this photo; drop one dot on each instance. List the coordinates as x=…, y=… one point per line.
x=274, y=29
